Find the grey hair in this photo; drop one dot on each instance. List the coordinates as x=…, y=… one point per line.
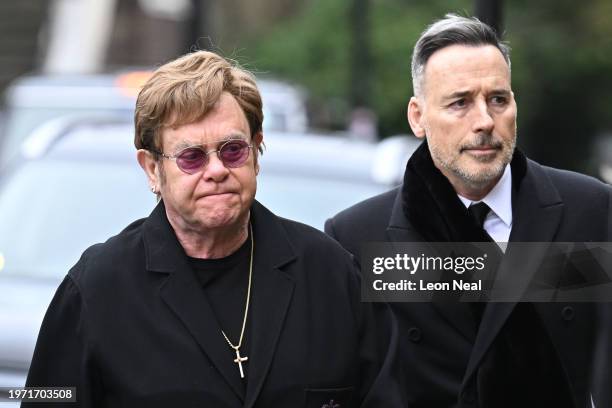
x=452, y=30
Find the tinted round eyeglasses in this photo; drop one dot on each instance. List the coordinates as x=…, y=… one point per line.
x=233, y=153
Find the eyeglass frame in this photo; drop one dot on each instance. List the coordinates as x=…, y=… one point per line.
x=206, y=153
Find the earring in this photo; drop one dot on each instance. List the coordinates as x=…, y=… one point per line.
x=153, y=190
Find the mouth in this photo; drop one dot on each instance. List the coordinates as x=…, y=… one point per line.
x=217, y=195
x=481, y=150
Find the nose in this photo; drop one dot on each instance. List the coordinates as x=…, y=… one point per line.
x=215, y=170
x=483, y=121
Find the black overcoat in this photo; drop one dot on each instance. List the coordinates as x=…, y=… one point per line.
x=131, y=326
x=440, y=348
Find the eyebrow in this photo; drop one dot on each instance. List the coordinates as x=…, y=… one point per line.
x=463, y=94
x=457, y=95
x=502, y=91
x=232, y=136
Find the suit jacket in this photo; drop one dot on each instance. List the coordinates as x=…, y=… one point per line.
x=131, y=326
x=441, y=345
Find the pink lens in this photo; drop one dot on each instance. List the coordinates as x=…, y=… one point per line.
x=191, y=160
x=234, y=153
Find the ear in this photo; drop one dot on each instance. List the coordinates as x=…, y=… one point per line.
x=149, y=165
x=415, y=117
x=257, y=141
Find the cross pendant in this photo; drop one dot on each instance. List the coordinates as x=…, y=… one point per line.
x=238, y=360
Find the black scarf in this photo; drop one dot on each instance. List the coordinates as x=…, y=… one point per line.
x=431, y=204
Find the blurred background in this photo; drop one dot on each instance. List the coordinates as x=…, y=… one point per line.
x=350, y=58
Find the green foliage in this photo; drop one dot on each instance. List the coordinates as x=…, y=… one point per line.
x=311, y=50
x=561, y=65
x=314, y=50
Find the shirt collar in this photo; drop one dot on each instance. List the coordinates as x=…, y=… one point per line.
x=499, y=198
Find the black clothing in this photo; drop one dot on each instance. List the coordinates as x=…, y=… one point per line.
x=225, y=282
x=479, y=212
x=130, y=326
x=453, y=357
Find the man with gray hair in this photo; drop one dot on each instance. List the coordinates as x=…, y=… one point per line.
x=468, y=183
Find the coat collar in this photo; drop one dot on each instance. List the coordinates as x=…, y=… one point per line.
x=431, y=204
x=161, y=243
x=537, y=210
x=184, y=295
x=427, y=208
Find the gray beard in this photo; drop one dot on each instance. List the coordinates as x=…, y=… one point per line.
x=476, y=179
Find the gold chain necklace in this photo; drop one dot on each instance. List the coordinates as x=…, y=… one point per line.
x=239, y=360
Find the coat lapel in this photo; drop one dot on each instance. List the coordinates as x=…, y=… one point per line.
x=537, y=207
x=272, y=293
x=399, y=229
x=458, y=316
x=271, y=296
x=183, y=294
x=537, y=210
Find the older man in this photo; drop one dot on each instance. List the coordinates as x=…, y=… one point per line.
x=467, y=183
x=212, y=301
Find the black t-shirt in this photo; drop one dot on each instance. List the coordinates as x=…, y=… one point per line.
x=225, y=283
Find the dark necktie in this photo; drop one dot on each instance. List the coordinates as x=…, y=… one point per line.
x=479, y=212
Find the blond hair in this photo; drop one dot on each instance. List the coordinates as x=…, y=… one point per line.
x=185, y=90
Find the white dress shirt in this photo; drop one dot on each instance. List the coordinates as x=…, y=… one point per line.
x=498, y=222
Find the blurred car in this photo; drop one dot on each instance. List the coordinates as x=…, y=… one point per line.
x=68, y=191
x=284, y=106
x=34, y=101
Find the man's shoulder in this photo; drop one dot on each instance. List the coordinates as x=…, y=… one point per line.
x=586, y=202
x=307, y=239
x=576, y=190
x=571, y=183
x=103, y=260
x=377, y=209
x=363, y=222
